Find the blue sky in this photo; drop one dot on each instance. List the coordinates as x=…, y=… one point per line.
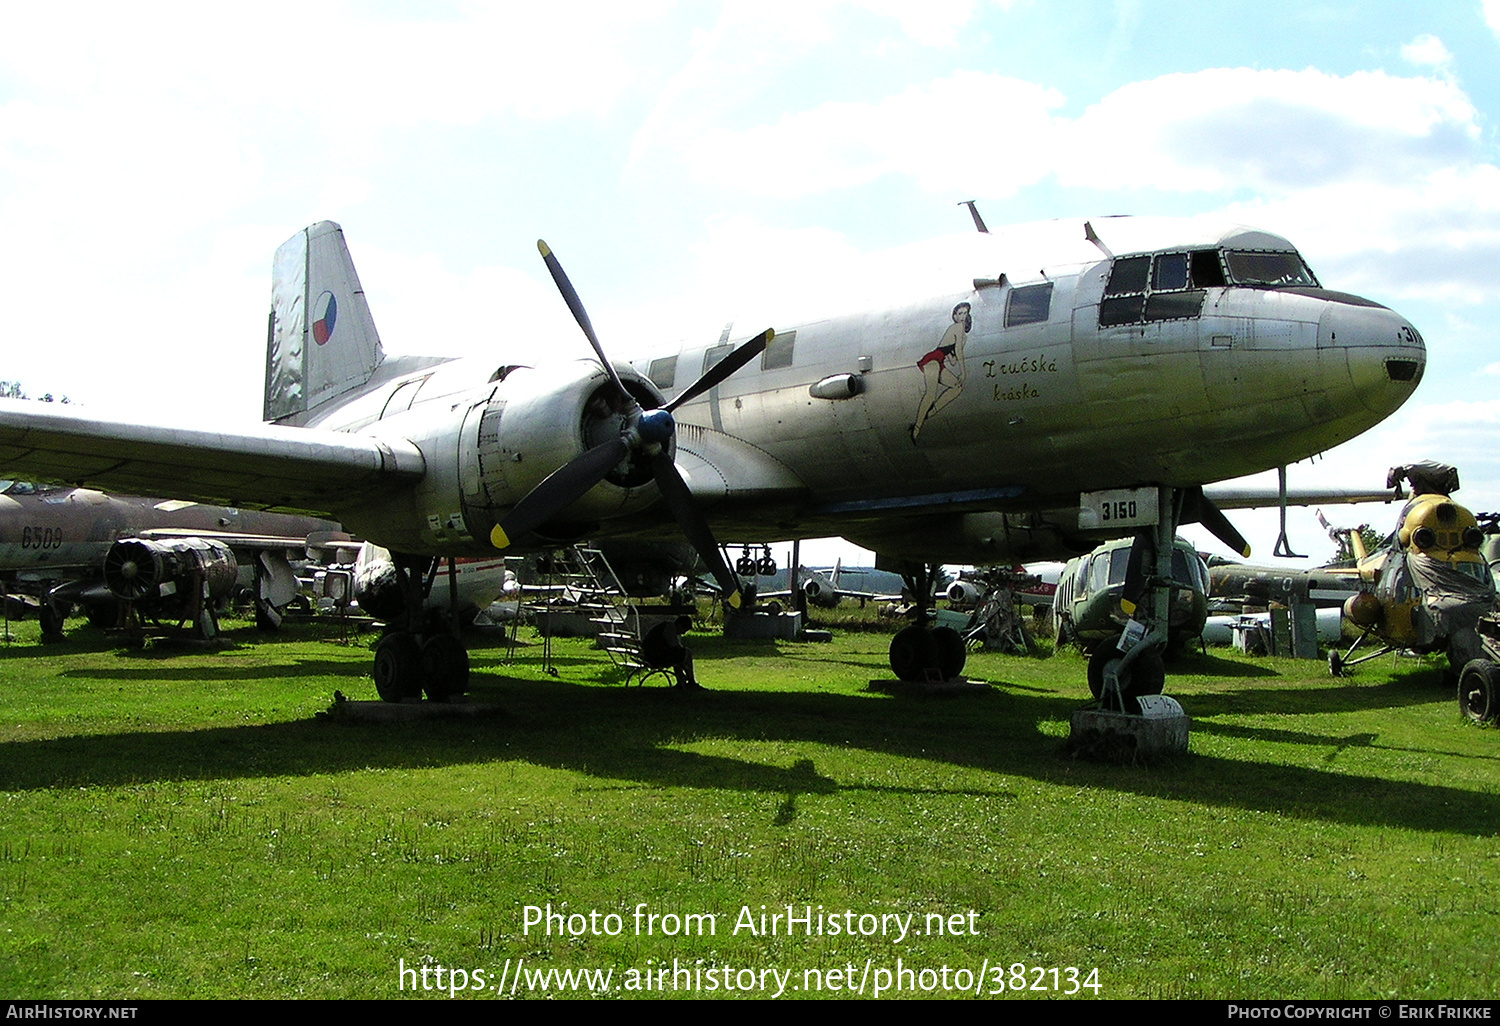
x=690, y=161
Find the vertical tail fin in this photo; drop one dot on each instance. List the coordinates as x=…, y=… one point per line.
x=321, y=341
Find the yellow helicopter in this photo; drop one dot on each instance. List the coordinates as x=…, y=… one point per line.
x=1427, y=586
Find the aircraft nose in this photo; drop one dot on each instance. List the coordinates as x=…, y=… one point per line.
x=1385, y=352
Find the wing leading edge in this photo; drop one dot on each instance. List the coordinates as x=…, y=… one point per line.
x=299, y=470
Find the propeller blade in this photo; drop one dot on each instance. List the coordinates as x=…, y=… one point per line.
x=1200, y=509
x=725, y=367
x=570, y=296
x=563, y=487
x=1139, y=567
x=694, y=524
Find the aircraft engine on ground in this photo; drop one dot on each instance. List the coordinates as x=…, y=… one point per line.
x=964, y=594
x=170, y=575
x=377, y=589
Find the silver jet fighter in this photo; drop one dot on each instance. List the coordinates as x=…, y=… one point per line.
x=1081, y=380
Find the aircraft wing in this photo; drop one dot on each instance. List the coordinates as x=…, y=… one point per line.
x=298, y=470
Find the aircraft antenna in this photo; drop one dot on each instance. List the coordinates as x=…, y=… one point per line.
x=979, y=224
x=1093, y=236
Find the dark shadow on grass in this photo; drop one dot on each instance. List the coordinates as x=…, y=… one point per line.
x=637, y=735
x=263, y=671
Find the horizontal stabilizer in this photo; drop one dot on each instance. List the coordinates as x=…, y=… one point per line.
x=1242, y=497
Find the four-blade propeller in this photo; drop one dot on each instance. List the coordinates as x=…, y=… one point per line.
x=645, y=432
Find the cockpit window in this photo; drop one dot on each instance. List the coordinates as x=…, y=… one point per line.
x=1250, y=268
x=1164, y=287
x=1170, y=271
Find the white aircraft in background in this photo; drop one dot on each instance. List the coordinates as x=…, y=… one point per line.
x=1087, y=382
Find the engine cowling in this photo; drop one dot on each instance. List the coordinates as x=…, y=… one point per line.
x=964, y=594
x=820, y=593
x=507, y=442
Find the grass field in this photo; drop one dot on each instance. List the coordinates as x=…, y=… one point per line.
x=181, y=823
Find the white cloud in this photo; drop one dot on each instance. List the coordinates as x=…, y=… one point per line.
x=1230, y=129
x=1491, y=10
x=1427, y=51
x=972, y=131
x=1268, y=131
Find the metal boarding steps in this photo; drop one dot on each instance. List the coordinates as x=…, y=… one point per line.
x=593, y=590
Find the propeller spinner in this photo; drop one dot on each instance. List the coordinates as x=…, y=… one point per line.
x=645, y=432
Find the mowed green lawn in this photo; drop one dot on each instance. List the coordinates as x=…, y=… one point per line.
x=182, y=823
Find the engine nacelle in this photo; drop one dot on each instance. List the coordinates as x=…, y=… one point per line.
x=964, y=594
x=170, y=575
x=508, y=440
x=821, y=592
x=377, y=589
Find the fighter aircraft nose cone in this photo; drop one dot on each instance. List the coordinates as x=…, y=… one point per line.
x=656, y=427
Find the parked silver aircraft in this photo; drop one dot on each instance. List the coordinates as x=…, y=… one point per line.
x=1086, y=383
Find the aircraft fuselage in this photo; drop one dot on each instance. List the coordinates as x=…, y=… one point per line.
x=1190, y=356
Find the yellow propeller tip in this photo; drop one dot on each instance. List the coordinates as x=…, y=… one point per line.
x=542, y=248
x=498, y=537
x=734, y=600
x=1125, y=604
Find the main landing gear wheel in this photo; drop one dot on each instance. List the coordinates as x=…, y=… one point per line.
x=952, y=653
x=1146, y=675
x=919, y=653
x=1479, y=690
x=398, y=667
x=445, y=667
x=52, y=620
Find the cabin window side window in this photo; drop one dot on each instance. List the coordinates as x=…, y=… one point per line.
x=663, y=373
x=1029, y=304
x=779, y=351
x=714, y=356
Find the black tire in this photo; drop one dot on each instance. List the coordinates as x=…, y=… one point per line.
x=913, y=653
x=1335, y=663
x=398, y=667
x=52, y=619
x=952, y=653
x=445, y=667
x=1479, y=690
x=104, y=615
x=267, y=617
x=1147, y=674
